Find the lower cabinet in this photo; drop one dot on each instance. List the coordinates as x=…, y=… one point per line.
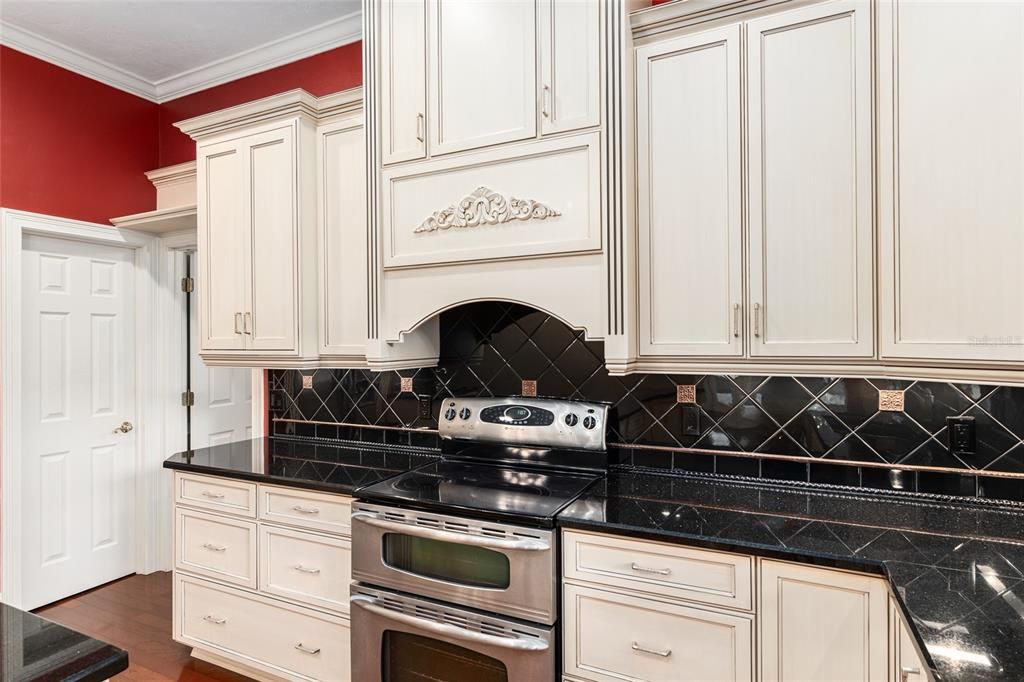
x=821, y=625
x=907, y=664
x=267, y=597
x=613, y=636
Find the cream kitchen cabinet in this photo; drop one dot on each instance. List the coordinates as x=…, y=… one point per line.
x=341, y=230
x=951, y=168
x=569, y=35
x=810, y=177
x=821, y=625
x=807, y=183
x=906, y=662
x=403, y=68
x=257, y=232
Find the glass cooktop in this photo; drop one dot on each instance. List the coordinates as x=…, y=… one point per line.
x=485, y=490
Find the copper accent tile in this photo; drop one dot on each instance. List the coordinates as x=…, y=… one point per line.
x=686, y=393
x=529, y=388
x=890, y=401
x=406, y=384
x=307, y=381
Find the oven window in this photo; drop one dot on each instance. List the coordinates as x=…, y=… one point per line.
x=448, y=561
x=414, y=658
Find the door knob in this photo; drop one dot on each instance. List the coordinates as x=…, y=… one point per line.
x=125, y=427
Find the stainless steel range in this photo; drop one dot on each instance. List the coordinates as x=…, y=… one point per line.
x=457, y=561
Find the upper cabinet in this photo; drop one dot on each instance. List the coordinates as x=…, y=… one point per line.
x=403, y=68
x=281, y=279
x=810, y=155
x=951, y=168
x=497, y=157
x=482, y=83
x=690, y=204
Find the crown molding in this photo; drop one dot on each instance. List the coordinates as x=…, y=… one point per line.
x=286, y=104
x=290, y=48
x=55, y=53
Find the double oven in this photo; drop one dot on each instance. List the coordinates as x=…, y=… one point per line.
x=456, y=563
x=506, y=574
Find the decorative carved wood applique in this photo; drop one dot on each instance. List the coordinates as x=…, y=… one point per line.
x=485, y=207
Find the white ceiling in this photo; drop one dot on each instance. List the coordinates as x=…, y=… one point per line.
x=162, y=49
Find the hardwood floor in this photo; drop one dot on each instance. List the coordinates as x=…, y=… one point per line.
x=134, y=613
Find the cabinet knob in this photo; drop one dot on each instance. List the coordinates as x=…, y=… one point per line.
x=545, y=109
x=419, y=127
x=125, y=427
x=238, y=323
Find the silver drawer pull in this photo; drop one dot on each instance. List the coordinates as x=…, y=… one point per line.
x=306, y=569
x=306, y=510
x=213, y=496
x=644, y=569
x=215, y=548
x=906, y=672
x=307, y=650
x=664, y=653
x=215, y=620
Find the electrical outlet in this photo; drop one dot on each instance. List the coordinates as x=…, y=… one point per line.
x=691, y=420
x=425, y=406
x=961, y=435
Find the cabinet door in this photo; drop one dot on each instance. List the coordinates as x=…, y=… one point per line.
x=223, y=245
x=907, y=663
x=819, y=625
x=689, y=203
x=272, y=210
x=951, y=168
x=570, y=64
x=342, y=229
x=483, y=73
x=403, y=79
x=810, y=145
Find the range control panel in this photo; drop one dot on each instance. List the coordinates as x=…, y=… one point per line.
x=525, y=421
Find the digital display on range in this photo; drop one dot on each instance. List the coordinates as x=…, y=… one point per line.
x=517, y=415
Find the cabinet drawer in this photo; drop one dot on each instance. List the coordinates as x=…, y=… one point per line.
x=218, y=494
x=279, y=638
x=305, y=509
x=662, y=569
x=315, y=569
x=652, y=640
x=216, y=546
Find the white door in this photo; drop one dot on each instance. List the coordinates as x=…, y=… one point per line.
x=810, y=146
x=403, y=77
x=951, y=168
x=689, y=203
x=819, y=625
x=483, y=73
x=222, y=411
x=271, y=321
x=570, y=64
x=78, y=336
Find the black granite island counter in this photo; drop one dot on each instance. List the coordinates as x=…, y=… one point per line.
x=957, y=569
x=327, y=467
x=33, y=649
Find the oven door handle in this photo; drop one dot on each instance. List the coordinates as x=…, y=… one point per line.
x=524, y=544
x=370, y=604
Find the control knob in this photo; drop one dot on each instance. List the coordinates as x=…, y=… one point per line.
x=464, y=413
x=589, y=423
x=571, y=419
x=449, y=414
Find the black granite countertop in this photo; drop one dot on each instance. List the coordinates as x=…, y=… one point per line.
x=333, y=468
x=33, y=649
x=957, y=568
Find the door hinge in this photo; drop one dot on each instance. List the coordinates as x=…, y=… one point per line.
x=188, y=399
x=188, y=284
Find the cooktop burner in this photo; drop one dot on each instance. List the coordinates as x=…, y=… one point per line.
x=511, y=458
x=474, y=487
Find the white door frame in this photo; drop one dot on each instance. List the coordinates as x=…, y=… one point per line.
x=152, y=535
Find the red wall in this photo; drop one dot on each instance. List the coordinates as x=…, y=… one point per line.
x=321, y=74
x=70, y=146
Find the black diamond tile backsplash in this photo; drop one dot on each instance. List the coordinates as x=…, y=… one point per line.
x=828, y=430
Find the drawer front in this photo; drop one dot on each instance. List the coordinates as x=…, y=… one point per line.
x=216, y=546
x=314, y=569
x=661, y=569
x=652, y=640
x=217, y=494
x=279, y=638
x=315, y=511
